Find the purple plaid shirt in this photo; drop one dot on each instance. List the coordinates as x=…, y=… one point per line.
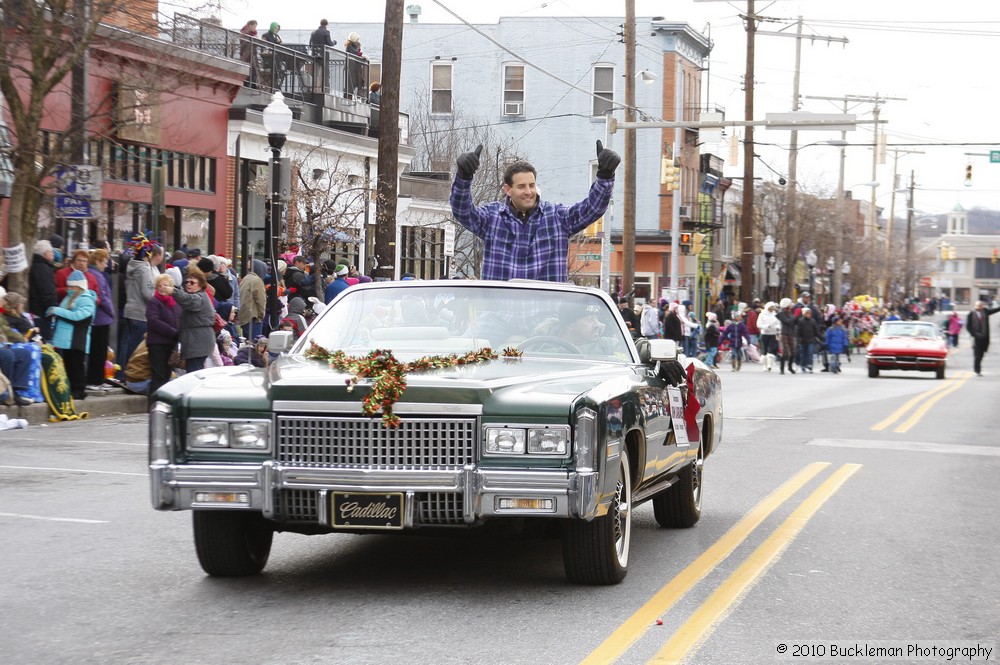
x=532, y=249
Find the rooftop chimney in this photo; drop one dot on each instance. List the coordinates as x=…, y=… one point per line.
x=414, y=12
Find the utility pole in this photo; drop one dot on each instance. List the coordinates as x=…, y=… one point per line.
x=791, y=212
x=628, y=204
x=841, y=192
x=887, y=288
x=388, y=143
x=746, y=214
x=909, y=238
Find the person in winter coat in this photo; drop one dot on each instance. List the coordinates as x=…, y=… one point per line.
x=298, y=281
x=788, y=337
x=807, y=333
x=197, y=334
x=673, y=328
x=42, y=287
x=140, y=273
x=253, y=354
x=296, y=306
x=253, y=300
x=72, y=331
x=836, y=343
x=337, y=285
x=690, y=328
x=100, y=331
x=221, y=289
x=357, y=66
x=770, y=328
x=954, y=329
x=712, y=335
x=649, y=323
x=80, y=260
x=736, y=333
x=163, y=321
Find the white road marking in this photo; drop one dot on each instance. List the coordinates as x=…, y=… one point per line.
x=45, y=468
x=54, y=519
x=918, y=446
x=43, y=441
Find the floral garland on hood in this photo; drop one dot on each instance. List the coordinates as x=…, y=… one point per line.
x=389, y=374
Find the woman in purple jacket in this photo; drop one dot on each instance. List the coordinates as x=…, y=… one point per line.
x=104, y=318
x=163, y=322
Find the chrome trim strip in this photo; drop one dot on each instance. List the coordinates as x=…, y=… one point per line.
x=267, y=483
x=526, y=481
x=354, y=408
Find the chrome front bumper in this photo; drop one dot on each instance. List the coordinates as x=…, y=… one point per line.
x=575, y=494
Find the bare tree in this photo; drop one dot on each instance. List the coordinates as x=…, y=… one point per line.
x=439, y=140
x=41, y=43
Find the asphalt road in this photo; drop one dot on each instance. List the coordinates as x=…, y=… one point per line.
x=833, y=516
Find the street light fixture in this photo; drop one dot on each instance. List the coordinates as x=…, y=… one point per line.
x=811, y=259
x=277, y=122
x=768, y=247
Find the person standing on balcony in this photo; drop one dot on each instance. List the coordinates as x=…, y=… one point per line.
x=320, y=38
x=357, y=65
x=523, y=236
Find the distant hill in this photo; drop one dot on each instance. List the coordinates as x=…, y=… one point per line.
x=983, y=221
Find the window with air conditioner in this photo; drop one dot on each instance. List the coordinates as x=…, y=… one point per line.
x=441, y=87
x=604, y=89
x=513, y=89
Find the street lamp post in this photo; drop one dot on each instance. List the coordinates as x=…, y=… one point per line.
x=768, y=247
x=845, y=270
x=811, y=262
x=277, y=122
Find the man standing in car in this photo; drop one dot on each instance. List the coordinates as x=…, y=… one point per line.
x=523, y=236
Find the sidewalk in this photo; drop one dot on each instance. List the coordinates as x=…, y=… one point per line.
x=116, y=402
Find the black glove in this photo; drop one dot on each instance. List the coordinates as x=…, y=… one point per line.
x=607, y=161
x=468, y=162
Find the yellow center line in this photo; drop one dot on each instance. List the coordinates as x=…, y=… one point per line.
x=723, y=600
x=901, y=411
x=926, y=406
x=633, y=628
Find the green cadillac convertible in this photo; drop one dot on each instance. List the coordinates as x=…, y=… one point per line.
x=427, y=404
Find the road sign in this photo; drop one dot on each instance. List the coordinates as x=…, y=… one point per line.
x=78, y=189
x=994, y=156
x=588, y=257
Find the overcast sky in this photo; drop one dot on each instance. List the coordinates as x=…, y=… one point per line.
x=940, y=57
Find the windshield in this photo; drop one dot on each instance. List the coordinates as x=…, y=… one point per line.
x=441, y=319
x=905, y=329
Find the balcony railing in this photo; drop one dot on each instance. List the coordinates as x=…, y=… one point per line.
x=296, y=70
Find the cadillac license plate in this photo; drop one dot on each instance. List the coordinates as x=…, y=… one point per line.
x=362, y=510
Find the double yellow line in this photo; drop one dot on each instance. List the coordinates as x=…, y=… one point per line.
x=929, y=399
x=703, y=621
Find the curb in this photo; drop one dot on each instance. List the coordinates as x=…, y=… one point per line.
x=114, y=404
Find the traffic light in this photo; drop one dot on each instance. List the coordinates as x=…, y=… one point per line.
x=995, y=255
x=698, y=243
x=686, y=243
x=670, y=173
x=968, y=175
x=952, y=253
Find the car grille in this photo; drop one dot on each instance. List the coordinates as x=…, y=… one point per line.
x=418, y=443
x=433, y=508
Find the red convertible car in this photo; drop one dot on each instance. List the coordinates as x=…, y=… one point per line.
x=907, y=345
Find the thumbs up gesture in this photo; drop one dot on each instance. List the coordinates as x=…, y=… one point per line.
x=468, y=162
x=607, y=161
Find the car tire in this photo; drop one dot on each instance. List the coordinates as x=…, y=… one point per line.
x=596, y=552
x=939, y=373
x=231, y=543
x=872, y=371
x=679, y=506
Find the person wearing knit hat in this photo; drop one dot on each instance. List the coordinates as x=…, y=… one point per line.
x=788, y=338
x=711, y=336
x=338, y=285
x=71, y=337
x=770, y=328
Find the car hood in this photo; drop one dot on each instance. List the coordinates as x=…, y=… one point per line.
x=902, y=344
x=505, y=386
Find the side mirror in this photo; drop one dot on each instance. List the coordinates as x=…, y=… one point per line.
x=662, y=349
x=279, y=341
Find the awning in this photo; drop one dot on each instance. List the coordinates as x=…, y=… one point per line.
x=733, y=275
